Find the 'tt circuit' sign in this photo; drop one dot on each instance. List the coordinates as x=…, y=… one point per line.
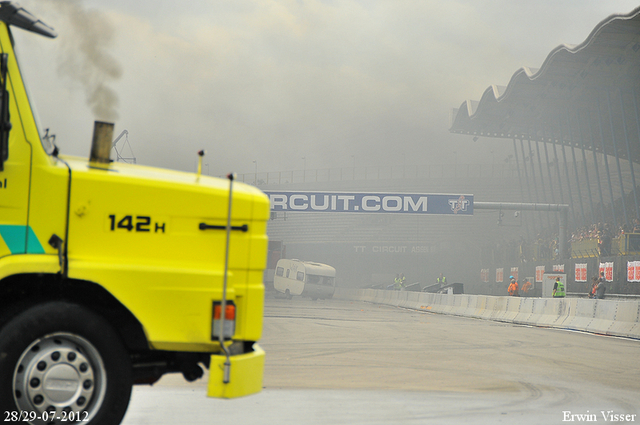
x=403, y=203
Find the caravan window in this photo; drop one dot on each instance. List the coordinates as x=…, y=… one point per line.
x=312, y=278
x=320, y=280
x=279, y=271
x=300, y=276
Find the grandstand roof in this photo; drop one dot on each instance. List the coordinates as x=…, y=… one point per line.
x=585, y=95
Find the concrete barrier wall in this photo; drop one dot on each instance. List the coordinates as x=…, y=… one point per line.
x=606, y=317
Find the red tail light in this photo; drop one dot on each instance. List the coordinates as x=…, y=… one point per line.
x=229, y=320
x=230, y=312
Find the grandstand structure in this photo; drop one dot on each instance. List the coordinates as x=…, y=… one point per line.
x=572, y=128
x=579, y=113
x=582, y=102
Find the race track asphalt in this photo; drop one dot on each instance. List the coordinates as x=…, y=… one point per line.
x=343, y=362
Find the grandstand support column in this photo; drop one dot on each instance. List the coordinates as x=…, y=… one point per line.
x=546, y=155
x=544, y=196
x=615, y=150
x=555, y=154
x=526, y=173
x=566, y=173
x=595, y=165
x=557, y=163
x=515, y=206
x=586, y=169
x=575, y=170
x=569, y=194
x=606, y=164
x=533, y=179
x=515, y=153
x=533, y=171
x=562, y=234
x=528, y=183
x=626, y=135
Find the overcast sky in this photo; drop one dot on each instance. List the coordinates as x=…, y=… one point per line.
x=273, y=81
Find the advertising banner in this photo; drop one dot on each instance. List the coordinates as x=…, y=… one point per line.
x=539, y=273
x=484, y=275
x=581, y=272
x=500, y=275
x=633, y=271
x=558, y=268
x=607, y=268
x=514, y=272
x=356, y=202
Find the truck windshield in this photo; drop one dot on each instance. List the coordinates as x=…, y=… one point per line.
x=16, y=16
x=47, y=142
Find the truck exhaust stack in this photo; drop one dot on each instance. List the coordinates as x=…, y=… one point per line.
x=102, y=142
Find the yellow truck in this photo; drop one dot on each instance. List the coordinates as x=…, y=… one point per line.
x=114, y=274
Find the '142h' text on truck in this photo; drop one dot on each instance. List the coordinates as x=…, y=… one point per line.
x=114, y=274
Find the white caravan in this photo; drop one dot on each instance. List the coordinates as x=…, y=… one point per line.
x=308, y=279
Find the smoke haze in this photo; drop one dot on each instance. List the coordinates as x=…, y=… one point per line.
x=85, y=57
x=262, y=84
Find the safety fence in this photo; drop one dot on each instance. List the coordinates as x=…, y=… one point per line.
x=605, y=317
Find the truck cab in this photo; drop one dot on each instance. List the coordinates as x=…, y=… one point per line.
x=113, y=274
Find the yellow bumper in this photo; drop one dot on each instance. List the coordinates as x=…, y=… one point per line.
x=245, y=377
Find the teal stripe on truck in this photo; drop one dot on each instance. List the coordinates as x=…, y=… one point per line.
x=20, y=239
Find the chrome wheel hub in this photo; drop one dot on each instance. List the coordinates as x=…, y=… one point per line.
x=59, y=376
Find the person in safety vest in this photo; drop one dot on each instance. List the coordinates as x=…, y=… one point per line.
x=397, y=283
x=441, y=280
x=526, y=287
x=513, y=287
x=402, y=280
x=558, y=289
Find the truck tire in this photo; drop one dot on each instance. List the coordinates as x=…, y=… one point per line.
x=60, y=360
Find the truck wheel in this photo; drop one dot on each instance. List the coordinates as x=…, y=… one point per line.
x=60, y=360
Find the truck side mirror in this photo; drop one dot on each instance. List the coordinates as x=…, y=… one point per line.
x=5, y=119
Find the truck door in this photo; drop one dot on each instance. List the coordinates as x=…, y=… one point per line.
x=16, y=237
